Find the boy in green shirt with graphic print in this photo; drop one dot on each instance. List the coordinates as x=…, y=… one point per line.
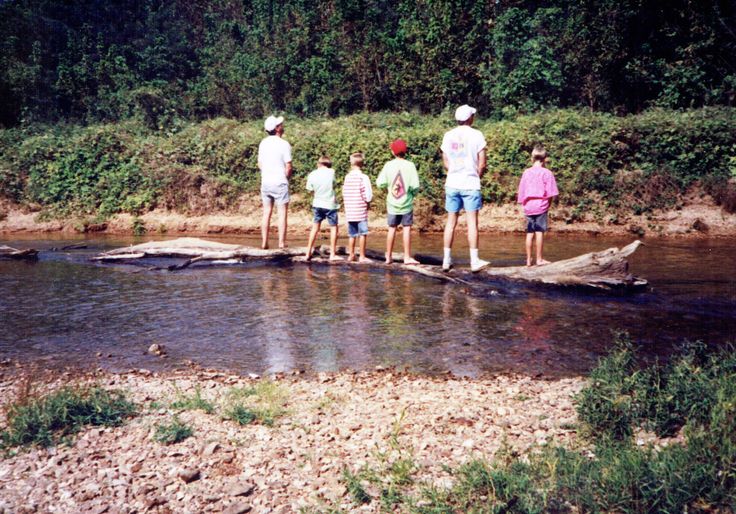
x=402, y=180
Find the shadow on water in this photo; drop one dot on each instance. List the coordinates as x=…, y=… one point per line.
x=65, y=310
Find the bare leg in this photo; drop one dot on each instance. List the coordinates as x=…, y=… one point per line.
x=540, y=247
x=312, y=237
x=529, y=239
x=450, y=229
x=333, y=244
x=476, y=263
x=283, y=217
x=363, y=258
x=472, y=220
x=448, y=239
x=351, y=249
x=408, y=258
x=265, y=223
x=390, y=237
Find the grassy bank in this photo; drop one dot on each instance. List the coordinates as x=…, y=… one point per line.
x=607, y=167
x=645, y=439
x=658, y=439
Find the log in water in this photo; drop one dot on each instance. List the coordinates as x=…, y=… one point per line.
x=606, y=270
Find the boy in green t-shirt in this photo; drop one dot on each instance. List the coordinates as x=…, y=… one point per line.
x=402, y=180
x=324, y=206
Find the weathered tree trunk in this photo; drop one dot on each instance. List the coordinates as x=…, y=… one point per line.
x=607, y=270
x=6, y=252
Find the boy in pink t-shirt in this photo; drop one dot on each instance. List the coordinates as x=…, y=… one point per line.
x=536, y=189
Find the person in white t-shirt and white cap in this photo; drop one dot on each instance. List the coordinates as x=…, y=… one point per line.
x=274, y=161
x=464, y=157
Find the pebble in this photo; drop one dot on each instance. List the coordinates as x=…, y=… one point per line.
x=238, y=508
x=242, y=489
x=188, y=474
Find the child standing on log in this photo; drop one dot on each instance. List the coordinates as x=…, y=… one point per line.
x=536, y=189
x=402, y=180
x=324, y=205
x=357, y=194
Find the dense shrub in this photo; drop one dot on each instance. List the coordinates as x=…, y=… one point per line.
x=604, y=164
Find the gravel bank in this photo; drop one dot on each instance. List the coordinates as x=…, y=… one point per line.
x=331, y=422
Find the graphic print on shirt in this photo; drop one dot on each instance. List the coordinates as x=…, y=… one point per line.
x=458, y=155
x=398, y=189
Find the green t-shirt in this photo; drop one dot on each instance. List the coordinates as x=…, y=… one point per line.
x=402, y=180
x=321, y=182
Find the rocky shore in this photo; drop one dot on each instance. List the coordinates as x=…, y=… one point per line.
x=326, y=423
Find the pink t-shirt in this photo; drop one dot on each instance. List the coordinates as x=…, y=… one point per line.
x=536, y=188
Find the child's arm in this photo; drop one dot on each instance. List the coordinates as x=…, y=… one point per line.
x=382, y=180
x=368, y=190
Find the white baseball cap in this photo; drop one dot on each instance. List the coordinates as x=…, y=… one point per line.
x=272, y=122
x=464, y=112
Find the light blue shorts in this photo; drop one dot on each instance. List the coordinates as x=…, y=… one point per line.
x=458, y=199
x=357, y=228
x=278, y=195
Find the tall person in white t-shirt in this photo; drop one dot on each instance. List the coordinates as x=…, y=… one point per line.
x=274, y=161
x=464, y=158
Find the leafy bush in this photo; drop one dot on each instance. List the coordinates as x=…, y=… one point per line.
x=45, y=420
x=605, y=165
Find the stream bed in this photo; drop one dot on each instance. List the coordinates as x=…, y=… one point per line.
x=65, y=310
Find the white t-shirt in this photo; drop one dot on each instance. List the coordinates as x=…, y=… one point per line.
x=273, y=154
x=461, y=146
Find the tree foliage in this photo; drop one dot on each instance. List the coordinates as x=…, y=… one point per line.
x=90, y=61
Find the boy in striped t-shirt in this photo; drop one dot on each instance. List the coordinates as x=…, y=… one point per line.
x=356, y=195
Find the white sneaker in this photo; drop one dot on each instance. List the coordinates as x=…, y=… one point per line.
x=446, y=265
x=479, y=265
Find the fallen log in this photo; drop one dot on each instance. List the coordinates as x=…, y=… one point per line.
x=7, y=252
x=606, y=270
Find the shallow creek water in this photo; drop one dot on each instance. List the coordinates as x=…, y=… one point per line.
x=65, y=310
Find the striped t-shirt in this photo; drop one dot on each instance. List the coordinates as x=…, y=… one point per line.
x=356, y=193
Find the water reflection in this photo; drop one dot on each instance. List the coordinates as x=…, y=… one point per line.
x=256, y=318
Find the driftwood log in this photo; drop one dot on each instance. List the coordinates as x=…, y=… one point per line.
x=606, y=270
x=6, y=252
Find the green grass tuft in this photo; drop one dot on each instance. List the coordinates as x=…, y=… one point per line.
x=173, y=432
x=263, y=403
x=45, y=420
x=355, y=488
x=193, y=402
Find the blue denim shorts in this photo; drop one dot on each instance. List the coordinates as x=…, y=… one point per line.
x=458, y=199
x=357, y=228
x=536, y=223
x=405, y=220
x=321, y=213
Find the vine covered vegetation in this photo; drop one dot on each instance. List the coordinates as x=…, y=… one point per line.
x=605, y=164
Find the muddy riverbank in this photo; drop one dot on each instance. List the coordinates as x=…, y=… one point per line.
x=697, y=219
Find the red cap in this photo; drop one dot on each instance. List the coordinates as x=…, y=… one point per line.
x=398, y=146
